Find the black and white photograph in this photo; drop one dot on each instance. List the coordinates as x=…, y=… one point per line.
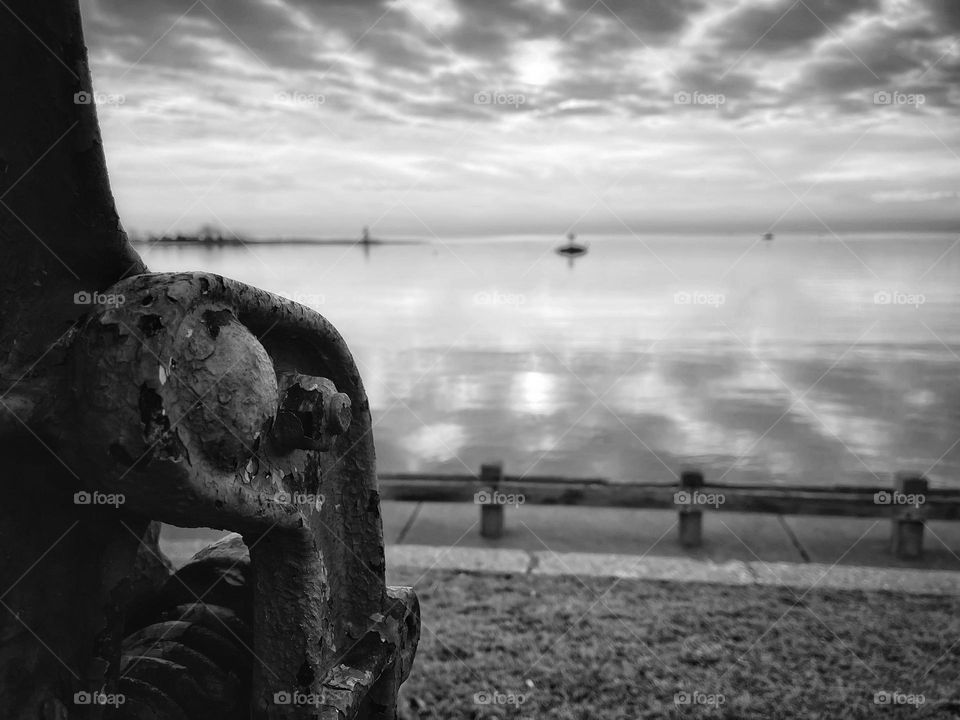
x=479, y=359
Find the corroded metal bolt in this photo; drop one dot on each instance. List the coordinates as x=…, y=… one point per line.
x=311, y=413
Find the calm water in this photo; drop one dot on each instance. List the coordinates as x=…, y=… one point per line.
x=760, y=362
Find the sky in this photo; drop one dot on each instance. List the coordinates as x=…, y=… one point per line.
x=448, y=118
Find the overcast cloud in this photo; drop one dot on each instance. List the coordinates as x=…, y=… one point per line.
x=460, y=117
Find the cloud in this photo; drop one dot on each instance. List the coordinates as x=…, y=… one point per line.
x=180, y=34
x=623, y=56
x=588, y=80
x=785, y=25
x=946, y=12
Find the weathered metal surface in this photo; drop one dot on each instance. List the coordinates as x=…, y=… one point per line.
x=366, y=676
x=176, y=390
x=160, y=402
x=311, y=413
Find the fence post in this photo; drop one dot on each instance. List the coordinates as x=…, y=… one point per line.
x=491, y=513
x=691, y=516
x=907, y=504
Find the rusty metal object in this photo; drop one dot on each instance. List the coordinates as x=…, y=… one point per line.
x=311, y=413
x=161, y=404
x=170, y=401
x=180, y=389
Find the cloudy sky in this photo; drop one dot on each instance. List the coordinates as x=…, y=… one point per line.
x=470, y=117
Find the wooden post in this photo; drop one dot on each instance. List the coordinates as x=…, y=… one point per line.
x=908, y=511
x=491, y=512
x=691, y=516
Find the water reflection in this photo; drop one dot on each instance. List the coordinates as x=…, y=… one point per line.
x=743, y=423
x=633, y=366
x=534, y=393
x=440, y=442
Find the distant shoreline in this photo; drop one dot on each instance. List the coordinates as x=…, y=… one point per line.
x=283, y=241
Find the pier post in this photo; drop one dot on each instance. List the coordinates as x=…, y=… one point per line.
x=691, y=516
x=908, y=512
x=491, y=511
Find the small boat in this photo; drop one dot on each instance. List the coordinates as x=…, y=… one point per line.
x=572, y=248
x=366, y=239
x=768, y=236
